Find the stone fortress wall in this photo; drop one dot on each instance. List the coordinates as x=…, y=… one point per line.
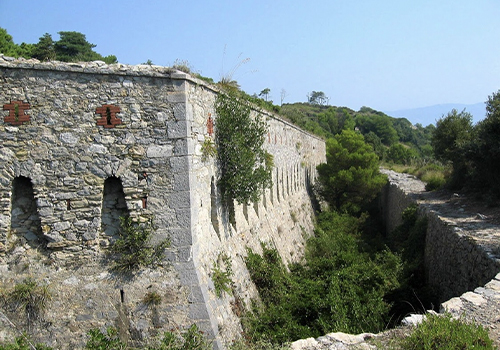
x=85, y=143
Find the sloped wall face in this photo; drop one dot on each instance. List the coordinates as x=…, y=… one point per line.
x=283, y=218
x=66, y=130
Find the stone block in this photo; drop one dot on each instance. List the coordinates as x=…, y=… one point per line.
x=180, y=199
x=157, y=151
x=198, y=312
x=181, y=237
x=177, y=129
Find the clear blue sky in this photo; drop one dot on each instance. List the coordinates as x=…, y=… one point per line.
x=385, y=54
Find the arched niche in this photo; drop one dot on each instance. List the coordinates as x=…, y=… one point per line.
x=114, y=207
x=25, y=222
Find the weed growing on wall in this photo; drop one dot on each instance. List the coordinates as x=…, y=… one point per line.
x=208, y=149
x=152, y=299
x=104, y=341
x=28, y=297
x=24, y=343
x=244, y=165
x=189, y=339
x=222, y=275
x=133, y=247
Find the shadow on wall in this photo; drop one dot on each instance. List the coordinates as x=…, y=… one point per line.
x=114, y=206
x=25, y=222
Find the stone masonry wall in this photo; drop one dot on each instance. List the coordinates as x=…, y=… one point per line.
x=283, y=218
x=84, y=143
x=458, y=253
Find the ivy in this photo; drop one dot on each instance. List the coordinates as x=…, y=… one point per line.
x=244, y=165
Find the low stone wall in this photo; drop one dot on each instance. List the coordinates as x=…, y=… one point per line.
x=462, y=262
x=460, y=245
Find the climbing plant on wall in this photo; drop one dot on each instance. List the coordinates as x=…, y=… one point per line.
x=244, y=165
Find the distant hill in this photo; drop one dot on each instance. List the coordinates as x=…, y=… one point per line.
x=429, y=115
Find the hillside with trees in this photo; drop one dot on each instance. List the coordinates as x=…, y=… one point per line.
x=394, y=140
x=71, y=47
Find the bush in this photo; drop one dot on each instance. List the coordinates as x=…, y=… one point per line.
x=23, y=343
x=244, y=165
x=339, y=287
x=438, y=332
x=104, y=341
x=134, y=248
x=190, y=339
x=29, y=297
x=221, y=277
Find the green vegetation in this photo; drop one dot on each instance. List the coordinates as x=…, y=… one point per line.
x=23, y=343
x=394, y=140
x=244, y=165
x=28, y=297
x=445, y=333
x=104, y=341
x=71, y=47
x=189, y=339
x=208, y=149
x=408, y=242
x=340, y=286
x=133, y=247
x=472, y=151
x=222, y=274
x=350, y=177
x=152, y=299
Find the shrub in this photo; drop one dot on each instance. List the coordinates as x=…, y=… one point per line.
x=23, y=343
x=339, y=288
x=208, y=149
x=101, y=341
x=190, y=339
x=151, y=299
x=244, y=165
x=134, y=248
x=221, y=277
x=29, y=297
x=350, y=178
x=438, y=332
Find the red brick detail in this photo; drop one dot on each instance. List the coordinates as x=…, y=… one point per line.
x=108, y=116
x=16, y=114
x=210, y=125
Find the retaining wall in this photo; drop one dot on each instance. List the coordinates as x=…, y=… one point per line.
x=457, y=260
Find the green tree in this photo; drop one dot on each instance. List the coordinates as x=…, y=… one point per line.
x=73, y=46
x=451, y=141
x=9, y=48
x=401, y=154
x=44, y=50
x=7, y=45
x=317, y=97
x=350, y=178
x=381, y=125
x=485, y=148
x=244, y=165
x=452, y=132
x=265, y=93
